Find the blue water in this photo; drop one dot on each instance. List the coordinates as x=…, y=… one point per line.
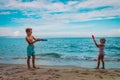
x=61, y=51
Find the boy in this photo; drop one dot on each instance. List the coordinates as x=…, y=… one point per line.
x=30, y=49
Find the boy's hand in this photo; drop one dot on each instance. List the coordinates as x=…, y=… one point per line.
x=37, y=39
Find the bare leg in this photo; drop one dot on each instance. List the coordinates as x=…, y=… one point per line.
x=98, y=64
x=102, y=59
x=28, y=62
x=33, y=61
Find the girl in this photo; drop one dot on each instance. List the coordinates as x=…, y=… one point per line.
x=101, y=51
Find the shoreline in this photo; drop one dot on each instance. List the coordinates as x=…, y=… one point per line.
x=20, y=72
x=82, y=63
x=59, y=66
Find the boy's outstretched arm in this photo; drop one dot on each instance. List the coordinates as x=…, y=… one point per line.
x=94, y=40
x=36, y=39
x=30, y=42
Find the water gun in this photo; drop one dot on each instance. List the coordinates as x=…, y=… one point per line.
x=93, y=37
x=94, y=40
x=43, y=40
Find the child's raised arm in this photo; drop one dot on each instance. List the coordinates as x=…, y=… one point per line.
x=94, y=40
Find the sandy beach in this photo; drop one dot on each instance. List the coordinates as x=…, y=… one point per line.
x=20, y=72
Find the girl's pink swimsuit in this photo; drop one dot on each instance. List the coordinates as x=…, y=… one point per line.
x=101, y=50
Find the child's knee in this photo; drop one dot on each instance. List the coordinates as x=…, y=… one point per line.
x=28, y=57
x=102, y=60
x=98, y=60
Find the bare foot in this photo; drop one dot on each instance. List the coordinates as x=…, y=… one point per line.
x=36, y=67
x=97, y=68
x=102, y=68
x=30, y=68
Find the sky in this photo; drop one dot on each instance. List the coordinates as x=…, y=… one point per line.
x=60, y=18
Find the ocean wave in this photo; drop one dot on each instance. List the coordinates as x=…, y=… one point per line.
x=113, y=47
x=57, y=56
x=53, y=55
x=71, y=57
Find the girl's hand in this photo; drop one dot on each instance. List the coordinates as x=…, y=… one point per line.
x=94, y=40
x=93, y=37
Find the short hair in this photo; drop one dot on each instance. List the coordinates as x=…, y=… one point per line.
x=28, y=29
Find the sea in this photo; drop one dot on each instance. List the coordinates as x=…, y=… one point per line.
x=76, y=52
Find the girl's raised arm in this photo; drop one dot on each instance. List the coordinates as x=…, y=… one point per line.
x=94, y=40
